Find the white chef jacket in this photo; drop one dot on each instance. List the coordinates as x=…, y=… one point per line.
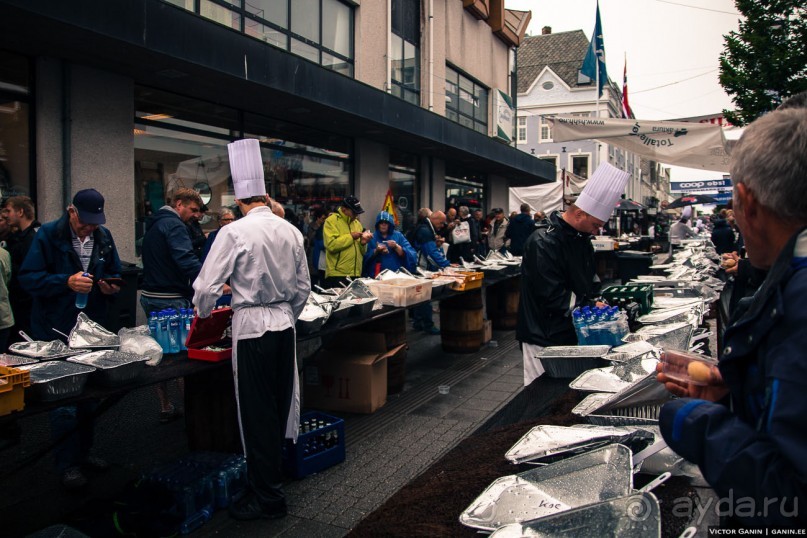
x=263, y=257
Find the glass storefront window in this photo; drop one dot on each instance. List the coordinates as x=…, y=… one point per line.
x=403, y=184
x=173, y=149
x=466, y=101
x=318, y=30
x=463, y=189
x=15, y=147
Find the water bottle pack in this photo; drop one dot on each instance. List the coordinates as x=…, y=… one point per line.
x=170, y=328
x=601, y=325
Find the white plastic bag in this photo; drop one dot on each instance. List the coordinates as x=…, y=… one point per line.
x=138, y=340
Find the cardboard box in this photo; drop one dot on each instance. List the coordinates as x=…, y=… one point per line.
x=487, y=331
x=350, y=373
x=603, y=244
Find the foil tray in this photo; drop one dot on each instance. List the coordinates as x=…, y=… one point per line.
x=573, y=352
x=56, y=380
x=614, y=378
x=44, y=351
x=16, y=360
x=544, y=444
x=669, y=336
x=632, y=350
x=570, y=361
x=631, y=516
x=605, y=473
x=672, y=315
x=112, y=368
x=87, y=334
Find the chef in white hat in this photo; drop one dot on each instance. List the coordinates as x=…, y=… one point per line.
x=263, y=258
x=557, y=268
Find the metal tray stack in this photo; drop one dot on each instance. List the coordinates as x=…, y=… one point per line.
x=668, y=336
x=16, y=360
x=637, y=405
x=87, y=334
x=56, y=380
x=605, y=473
x=112, y=368
x=544, y=444
x=44, y=351
x=631, y=516
x=614, y=378
x=571, y=361
x=633, y=350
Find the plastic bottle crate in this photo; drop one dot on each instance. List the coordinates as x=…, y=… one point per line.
x=229, y=471
x=191, y=487
x=641, y=293
x=316, y=449
x=12, y=389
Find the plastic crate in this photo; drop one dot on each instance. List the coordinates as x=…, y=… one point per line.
x=316, y=449
x=472, y=280
x=401, y=291
x=229, y=473
x=12, y=389
x=192, y=489
x=641, y=293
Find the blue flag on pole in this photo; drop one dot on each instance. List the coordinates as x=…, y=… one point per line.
x=595, y=57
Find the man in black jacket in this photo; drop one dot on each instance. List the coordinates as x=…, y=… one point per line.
x=170, y=265
x=520, y=228
x=19, y=210
x=557, y=269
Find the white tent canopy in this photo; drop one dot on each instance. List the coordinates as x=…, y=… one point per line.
x=547, y=197
x=693, y=145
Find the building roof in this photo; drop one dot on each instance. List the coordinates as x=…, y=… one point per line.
x=563, y=52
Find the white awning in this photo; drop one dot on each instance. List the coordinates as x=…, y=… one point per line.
x=693, y=145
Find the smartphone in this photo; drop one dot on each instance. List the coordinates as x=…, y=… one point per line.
x=113, y=280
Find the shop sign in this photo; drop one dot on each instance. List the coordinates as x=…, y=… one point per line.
x=504, y=114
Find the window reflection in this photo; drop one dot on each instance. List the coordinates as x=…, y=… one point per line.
x=15, y=150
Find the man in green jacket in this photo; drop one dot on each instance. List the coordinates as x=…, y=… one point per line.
x=345, y=243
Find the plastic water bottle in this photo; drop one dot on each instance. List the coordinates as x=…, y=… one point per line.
x=185, y=318
x=162, y=321
x=153, y=326
x=81, y=298
x=580, y=326
x=173, y=331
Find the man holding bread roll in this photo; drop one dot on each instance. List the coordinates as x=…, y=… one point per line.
x=745, y=429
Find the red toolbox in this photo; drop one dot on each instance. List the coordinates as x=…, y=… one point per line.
x=210, y=332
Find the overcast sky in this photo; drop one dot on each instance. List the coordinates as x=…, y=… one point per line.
x=672, y=51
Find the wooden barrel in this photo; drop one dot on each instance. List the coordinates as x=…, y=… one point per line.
x=461, y=322
x=502, y=302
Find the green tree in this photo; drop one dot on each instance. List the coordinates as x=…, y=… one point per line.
x=766, y=60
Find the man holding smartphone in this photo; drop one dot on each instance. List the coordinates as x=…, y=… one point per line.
x=72, y=255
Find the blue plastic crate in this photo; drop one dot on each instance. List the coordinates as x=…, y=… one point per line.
x=316, y=449
x=229, y=471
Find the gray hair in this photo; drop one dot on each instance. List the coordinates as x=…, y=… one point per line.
x=464, y=211
x=424, y=212
x=226, y=211
x=771, y=161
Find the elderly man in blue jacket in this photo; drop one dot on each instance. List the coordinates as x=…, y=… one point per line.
x=69, y=256
x=746, y=427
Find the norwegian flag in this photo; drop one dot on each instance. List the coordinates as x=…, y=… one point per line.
x=626, y=111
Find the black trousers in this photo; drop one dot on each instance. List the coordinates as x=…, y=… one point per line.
x=265, y=388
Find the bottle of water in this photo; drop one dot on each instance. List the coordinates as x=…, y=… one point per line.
x=580, y=327
x=162, y=321
x=153, y=327
x=173, y=331
x=185, y=326
x=81, y=298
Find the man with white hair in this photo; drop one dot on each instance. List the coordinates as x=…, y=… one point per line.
x=743, y=424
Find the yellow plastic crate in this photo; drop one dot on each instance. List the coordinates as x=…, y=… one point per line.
x=472, y=280
x=12, y=389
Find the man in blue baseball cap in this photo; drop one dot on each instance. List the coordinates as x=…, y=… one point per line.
x=69, y=256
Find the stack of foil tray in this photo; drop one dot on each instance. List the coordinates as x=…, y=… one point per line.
x=571, y=361
x=614, y=378
x=637, y=405
x=544, y=444
x=16, y=360
x=668, y=336
x=631, y=516
x=112, y=368
x=44, y=351
x=56, y=380
x=600, y=475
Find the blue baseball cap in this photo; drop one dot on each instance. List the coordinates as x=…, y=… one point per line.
x=90, y=206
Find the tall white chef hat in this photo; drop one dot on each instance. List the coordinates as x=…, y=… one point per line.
x=686, y=212
x=602, y=192
x=246, y=167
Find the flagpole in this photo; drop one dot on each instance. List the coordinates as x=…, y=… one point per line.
x=598, y=84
